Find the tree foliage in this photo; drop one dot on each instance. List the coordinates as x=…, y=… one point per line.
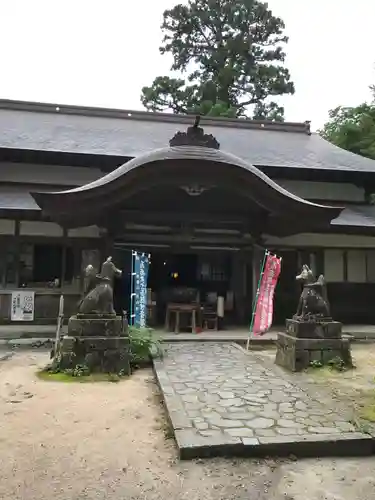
x=229, y=55
x=353, y=128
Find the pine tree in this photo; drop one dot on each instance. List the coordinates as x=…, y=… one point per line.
x=229, y=55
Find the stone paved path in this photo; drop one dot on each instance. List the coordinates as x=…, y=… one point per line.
x=222, y=400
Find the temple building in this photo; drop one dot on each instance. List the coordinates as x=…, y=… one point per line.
x=203, y=198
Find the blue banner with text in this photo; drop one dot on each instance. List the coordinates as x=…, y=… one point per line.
x=141, y=265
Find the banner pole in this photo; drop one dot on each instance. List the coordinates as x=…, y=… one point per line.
x=255, y=301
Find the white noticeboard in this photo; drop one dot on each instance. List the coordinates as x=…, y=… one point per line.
x=22, y=306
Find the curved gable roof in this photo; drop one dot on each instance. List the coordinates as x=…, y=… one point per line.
x=185, y=153
x=172, y=164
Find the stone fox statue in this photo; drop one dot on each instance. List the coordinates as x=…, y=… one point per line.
x=313, y=303
x=99, y=290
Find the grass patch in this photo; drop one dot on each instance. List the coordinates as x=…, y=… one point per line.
x=322, y=371
x=367, y=411
x=361, y=425
x=334, y=366
x=92, y=377
x=327, y=372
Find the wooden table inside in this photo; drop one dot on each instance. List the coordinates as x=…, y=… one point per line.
x=178, y=309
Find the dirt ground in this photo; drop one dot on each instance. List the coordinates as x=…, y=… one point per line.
x=72, y=441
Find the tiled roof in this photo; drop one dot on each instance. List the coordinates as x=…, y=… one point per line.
x=16, y=199
x=96, y=131
x=356, y=216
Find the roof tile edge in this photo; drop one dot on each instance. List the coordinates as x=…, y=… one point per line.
x=68, y=109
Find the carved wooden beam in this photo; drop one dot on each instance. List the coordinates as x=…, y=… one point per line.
x=180, y=238
x=186, y=217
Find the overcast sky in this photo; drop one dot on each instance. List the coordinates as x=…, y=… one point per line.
x=101, y=53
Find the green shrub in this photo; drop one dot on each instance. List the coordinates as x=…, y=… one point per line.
x=337, y=364
x=144, y=344
x=81, y=371
x=316, y=364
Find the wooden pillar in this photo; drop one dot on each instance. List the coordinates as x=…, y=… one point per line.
x=4, y=257
x=107, y=244
x=239, y=284
x=257, y=258
x=78, y=271
x=313, y=263
x=108, y=247
x=234, y=282
x=247, y=284
x=63, y=258
x=17, y=250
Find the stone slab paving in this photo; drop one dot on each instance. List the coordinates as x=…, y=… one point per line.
x=222, y=400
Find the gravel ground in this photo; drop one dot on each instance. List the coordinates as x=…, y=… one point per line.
x=108, y=441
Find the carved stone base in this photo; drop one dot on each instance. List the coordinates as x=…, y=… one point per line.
x=296, y=354
x=325, y=329
x=98, y=354
x=92, y=325
x=96, y=341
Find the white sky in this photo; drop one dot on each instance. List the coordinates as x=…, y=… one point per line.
x=101, y=53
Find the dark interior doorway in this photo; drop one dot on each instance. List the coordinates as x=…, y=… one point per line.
x=169, y=273
x=172, y=277
x=122, y=257
x=287, y=290
x=172, y=270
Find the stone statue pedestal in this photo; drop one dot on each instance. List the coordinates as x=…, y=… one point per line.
x=321, y=329
x=98, y=341
x=305, y=342
x=92, y=325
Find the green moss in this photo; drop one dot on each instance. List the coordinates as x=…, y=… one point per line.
x=361, y=425
x=322, y=371
x=332, y=369
x=63, y=377
x=367, y=411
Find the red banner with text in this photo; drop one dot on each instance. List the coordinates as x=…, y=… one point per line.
x=264, y=307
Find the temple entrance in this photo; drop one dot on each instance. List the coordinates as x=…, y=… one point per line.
x=197, y=209
x=190, y=278
x=172, y=278
x=203, y=277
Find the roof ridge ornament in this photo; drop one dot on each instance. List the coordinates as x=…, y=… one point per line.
x=194, y=136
